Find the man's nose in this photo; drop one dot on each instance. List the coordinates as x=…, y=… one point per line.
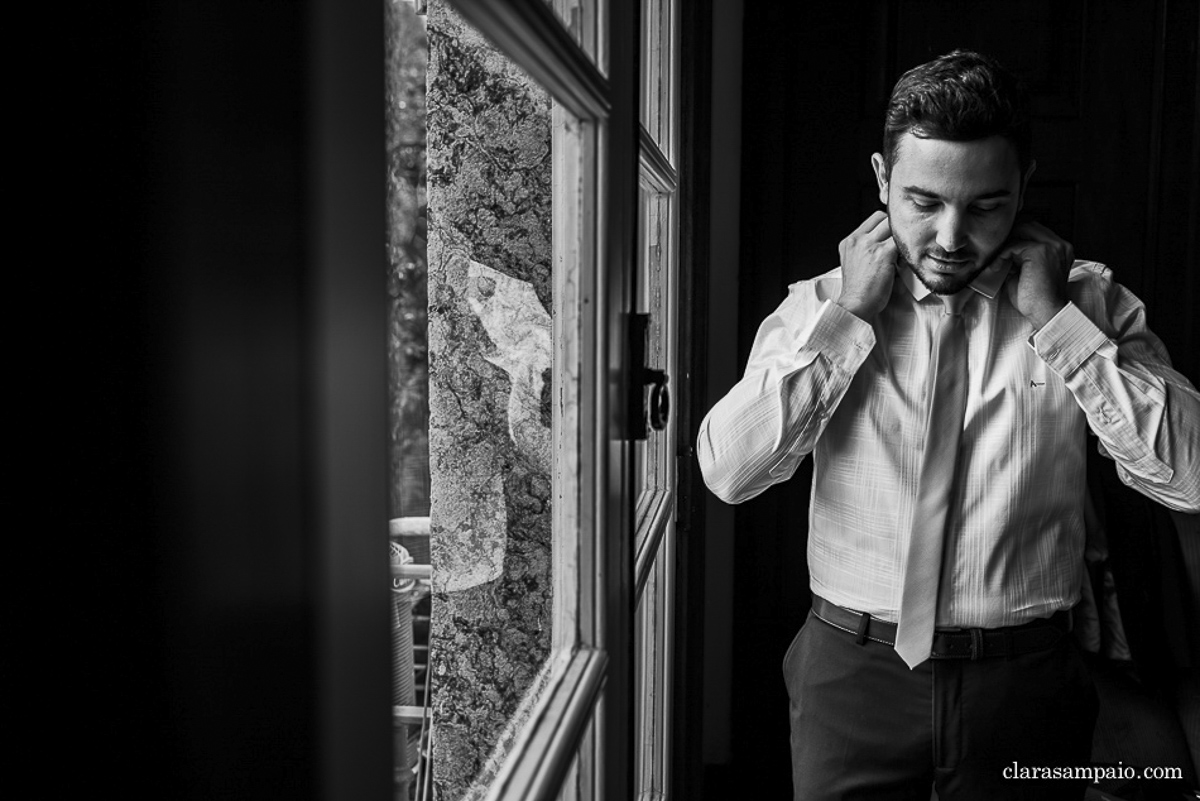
x=951, y=230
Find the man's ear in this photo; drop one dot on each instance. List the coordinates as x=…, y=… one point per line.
x=881, y=176
x=1025, y=183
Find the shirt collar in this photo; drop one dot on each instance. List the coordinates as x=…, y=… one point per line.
x=987, y=283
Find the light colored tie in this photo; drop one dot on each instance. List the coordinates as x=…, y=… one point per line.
x=943, y=430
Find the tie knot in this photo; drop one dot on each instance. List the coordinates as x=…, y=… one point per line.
x=954, y=304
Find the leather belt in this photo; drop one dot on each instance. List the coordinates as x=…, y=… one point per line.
x=1036, y=635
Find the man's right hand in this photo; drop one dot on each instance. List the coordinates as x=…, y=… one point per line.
x=868, y=267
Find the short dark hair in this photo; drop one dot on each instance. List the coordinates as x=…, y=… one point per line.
x=961, y=96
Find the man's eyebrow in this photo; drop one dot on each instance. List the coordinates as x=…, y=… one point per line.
x=993, y=195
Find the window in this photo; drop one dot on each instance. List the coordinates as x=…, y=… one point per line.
x=552, y=225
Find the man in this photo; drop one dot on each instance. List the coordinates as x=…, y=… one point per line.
x=944, y=378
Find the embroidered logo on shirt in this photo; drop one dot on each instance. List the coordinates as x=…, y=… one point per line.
x=1033, y=383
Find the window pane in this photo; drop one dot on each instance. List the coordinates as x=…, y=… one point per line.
x=408, y=389
x=652, y=462
x=407, y=346
x=581, y=18
x=653, y=654
x=510, y=177
x=658, y=74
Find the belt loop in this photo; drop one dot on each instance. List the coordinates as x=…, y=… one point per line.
x=976, y=644
x=864, y=623
x=1008, y=646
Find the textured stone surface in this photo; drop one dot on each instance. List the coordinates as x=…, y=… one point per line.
x=490, y=296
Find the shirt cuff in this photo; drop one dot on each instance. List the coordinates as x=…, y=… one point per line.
x=1067, y=340
x=841, y=337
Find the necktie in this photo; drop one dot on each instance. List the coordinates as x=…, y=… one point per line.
x=943, y=430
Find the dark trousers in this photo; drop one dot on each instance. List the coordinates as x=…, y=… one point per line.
x=864, y=726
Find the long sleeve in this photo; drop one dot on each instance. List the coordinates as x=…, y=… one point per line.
x=803, y=359
x=1145, y=414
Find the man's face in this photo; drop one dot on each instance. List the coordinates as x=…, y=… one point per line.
x=951, y=205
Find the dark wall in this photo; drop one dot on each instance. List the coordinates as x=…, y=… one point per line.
x=180, y=574
x=86, y=575
x=1115, y=133
x=1115, y=97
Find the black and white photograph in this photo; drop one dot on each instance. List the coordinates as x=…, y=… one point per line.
x=575, y=400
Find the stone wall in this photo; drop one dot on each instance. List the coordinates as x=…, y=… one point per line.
x=490, y=303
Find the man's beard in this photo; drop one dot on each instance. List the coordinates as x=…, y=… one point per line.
x=938, y=283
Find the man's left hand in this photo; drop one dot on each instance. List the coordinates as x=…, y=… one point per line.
x=1040, y=261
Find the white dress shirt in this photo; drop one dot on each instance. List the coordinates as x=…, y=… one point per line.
x=821, y=380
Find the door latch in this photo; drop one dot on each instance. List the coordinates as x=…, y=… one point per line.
x=649, y=393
